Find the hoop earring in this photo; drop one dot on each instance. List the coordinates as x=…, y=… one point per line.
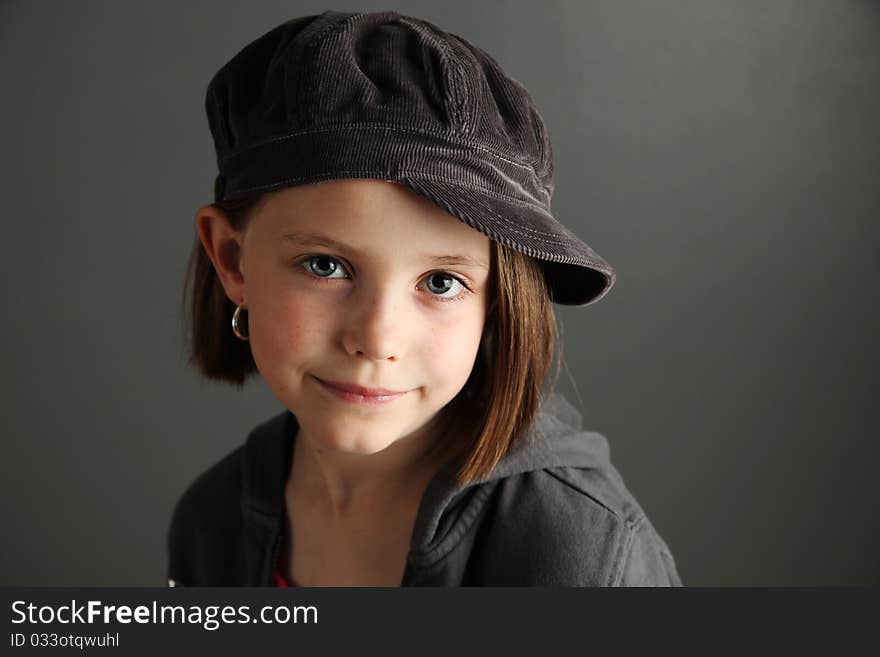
x=236, y=324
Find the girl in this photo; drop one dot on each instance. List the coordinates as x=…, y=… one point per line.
x=382, y=252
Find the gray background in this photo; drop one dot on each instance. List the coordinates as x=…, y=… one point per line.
x=723, y=156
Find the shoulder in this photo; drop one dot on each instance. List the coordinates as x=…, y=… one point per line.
x=209, y=494
x=580, y=526
x=640, y=556
x=206, y=521
x=203, y=516
x=218, y=489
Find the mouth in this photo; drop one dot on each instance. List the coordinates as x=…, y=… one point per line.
x=355, y=394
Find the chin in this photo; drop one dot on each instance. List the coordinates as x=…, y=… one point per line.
x=353, y=441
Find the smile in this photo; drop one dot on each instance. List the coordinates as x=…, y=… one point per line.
x=359, y=395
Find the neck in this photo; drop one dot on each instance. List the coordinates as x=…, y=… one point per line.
x=346, y=485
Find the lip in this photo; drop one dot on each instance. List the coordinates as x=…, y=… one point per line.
x=358, y=394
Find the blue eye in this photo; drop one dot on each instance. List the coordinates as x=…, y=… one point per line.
x=439, y=284
x=447, y=283
x=323, y=266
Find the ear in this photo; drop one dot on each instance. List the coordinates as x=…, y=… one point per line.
x=223, y=246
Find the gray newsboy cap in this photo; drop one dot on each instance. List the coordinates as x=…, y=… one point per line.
x=388, y=96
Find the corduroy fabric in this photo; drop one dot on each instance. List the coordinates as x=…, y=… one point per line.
x=387, y=96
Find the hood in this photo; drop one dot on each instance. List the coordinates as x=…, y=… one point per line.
x=555, y=438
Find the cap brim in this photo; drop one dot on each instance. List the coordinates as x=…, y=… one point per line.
x=576, y=275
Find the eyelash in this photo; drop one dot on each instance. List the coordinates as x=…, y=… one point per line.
x=302, y=263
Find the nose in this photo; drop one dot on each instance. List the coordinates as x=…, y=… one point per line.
x=375, y=328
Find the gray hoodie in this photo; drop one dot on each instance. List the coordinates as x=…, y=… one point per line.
x=554, y=512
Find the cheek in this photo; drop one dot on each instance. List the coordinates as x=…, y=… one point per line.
x=284, y=328
x=451, y=348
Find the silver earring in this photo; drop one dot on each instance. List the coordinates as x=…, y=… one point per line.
x=236, y=324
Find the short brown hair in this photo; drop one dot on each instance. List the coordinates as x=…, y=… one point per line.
x=498, y=401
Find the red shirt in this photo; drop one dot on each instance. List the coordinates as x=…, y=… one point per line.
x=280, y=581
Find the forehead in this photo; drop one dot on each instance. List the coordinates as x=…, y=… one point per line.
x=374, y=215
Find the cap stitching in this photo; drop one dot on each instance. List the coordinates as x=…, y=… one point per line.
x=464, y=127
x=418, y=175
x=357, y=126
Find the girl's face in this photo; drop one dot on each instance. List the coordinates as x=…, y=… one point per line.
x=362, y=282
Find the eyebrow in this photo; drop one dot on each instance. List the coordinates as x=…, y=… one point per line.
x=314, y=239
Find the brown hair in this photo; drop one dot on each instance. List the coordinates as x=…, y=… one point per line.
x=498, y=401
